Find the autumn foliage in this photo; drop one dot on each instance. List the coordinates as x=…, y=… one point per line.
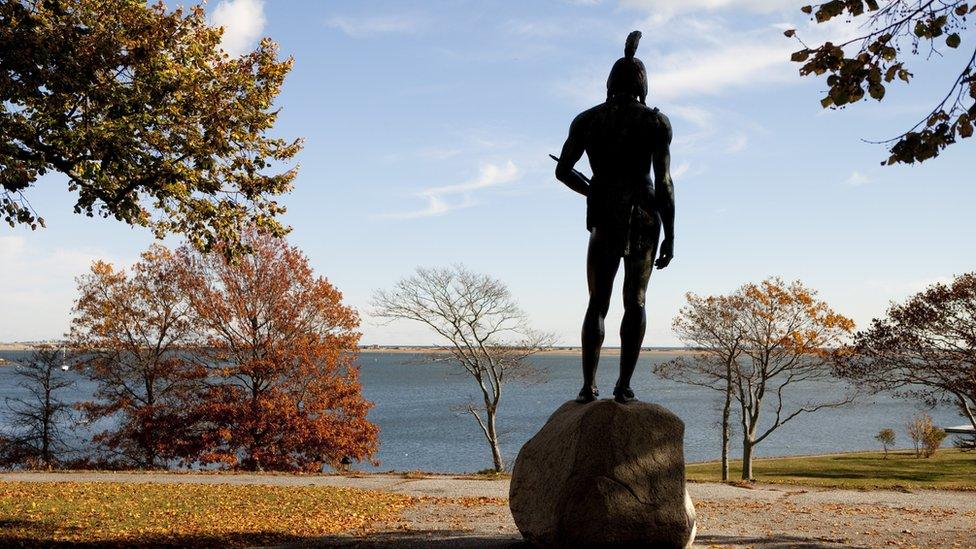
x=279, y=349
x=131, y=329
x=125, y=514
x=757, y=344
x=247, y=363
x=877, y=55
x=924, y=347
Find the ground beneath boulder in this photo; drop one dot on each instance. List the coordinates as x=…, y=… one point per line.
x=453, y=513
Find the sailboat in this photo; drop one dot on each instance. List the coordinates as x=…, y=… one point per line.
x=64, y=364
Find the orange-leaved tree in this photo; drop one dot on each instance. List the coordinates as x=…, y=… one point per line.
x=789, y=337
x=279, y=347
x=131, y=330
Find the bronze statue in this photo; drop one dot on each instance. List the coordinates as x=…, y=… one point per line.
x=623, y=139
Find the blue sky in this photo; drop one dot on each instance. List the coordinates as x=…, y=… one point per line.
x=427, y=127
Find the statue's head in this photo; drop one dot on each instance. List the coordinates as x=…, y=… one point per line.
x=628, y=76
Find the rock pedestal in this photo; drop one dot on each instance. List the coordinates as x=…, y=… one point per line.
x=604, y=474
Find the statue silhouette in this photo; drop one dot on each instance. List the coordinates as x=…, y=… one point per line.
x=624, y=140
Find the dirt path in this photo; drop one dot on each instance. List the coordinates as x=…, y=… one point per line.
x=448, y=513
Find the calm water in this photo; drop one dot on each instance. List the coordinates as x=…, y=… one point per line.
x=418, y=430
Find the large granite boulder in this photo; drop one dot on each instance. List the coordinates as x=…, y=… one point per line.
x=604, y=474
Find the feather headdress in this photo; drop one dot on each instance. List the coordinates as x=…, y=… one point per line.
x=630, y=47
x=628, y=76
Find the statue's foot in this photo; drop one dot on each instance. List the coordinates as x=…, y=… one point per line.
x=623, y=395
x=588, y=394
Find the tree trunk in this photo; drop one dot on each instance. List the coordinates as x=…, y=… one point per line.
x=967, y=411
x=747, y=445
x=46, y=428
x=46, y=446
x=496, y=453
x=726, y=429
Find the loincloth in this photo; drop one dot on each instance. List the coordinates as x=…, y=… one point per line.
x=629, y=228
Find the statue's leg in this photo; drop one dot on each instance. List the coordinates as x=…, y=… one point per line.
x=601, y=268
x=637, y=271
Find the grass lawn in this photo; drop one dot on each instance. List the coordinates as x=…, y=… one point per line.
x=124, y=514
x=948, y=469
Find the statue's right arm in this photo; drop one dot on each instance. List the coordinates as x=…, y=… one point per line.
x=571, y=153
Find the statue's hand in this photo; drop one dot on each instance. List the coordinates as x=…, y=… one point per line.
x=665, y=254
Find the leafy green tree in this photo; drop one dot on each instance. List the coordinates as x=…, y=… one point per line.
x=152, y=123
x=887, y=438
x=863, y=66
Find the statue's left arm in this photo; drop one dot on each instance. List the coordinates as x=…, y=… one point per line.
x=664, y=194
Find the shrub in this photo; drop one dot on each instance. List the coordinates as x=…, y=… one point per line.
x=925, y=437
x=931, y=440
x=916, y=428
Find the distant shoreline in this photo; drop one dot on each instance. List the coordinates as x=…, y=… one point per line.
x=553, y=351
x=418, y=349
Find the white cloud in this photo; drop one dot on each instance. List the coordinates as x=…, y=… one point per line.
x=712, y=71
x=738, y=143
x=242, y=20
x=680, y=169
x=438, y=198
x=666, y=8
x=696, y=115
x=359, y=27
x=709, y=71
x=857, y=178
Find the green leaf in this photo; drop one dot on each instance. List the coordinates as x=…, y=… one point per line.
x=800, y=56
x=826, y=102
x=877, y=91
x=964, y=126
x=807, y=9
x=953, y=40
x=921, y=30
x=890, y=73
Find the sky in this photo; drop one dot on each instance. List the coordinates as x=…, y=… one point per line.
x=427, y=128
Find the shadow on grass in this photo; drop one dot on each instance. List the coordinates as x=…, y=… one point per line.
x=879, y=475
x=774, y=541
x=413, y=539
x=383, y=540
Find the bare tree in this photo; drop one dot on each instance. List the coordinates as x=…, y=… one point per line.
x=36, y=437
x=487, y=334
x=790, y=337
x=712, y=326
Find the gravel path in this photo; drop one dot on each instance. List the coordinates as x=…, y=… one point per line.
x=768, y=516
